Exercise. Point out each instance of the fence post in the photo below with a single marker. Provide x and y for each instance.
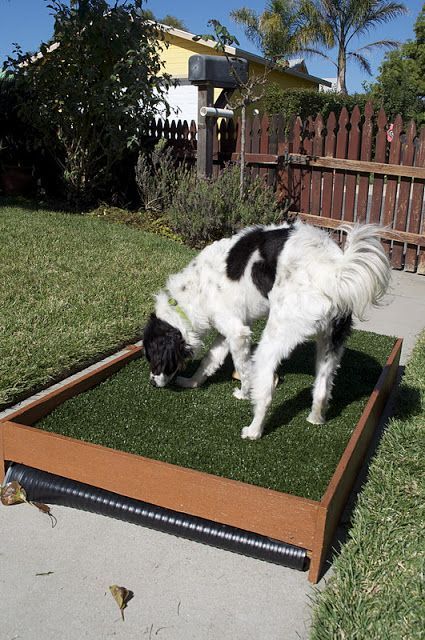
(205, 132)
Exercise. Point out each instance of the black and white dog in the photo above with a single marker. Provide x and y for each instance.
(293, 273)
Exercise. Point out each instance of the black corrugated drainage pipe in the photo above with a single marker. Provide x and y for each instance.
(41, 486)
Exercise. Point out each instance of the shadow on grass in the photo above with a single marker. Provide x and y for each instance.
(354, 380)
(36, 204)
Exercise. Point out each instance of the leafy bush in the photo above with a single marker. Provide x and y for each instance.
(400, 85)
(309, 102)
(204, 210)
(92, 89)
(157, 176)
(17, 139)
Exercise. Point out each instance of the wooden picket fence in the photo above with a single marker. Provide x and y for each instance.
(349, 169)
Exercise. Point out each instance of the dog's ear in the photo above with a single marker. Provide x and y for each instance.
(150, 322)
(149, 333)
(182, 351)
(187, 352)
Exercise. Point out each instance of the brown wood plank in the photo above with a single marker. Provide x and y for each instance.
(193, 136)
(328, 174)
(307, 146)
(343, 480)
(30, 413)
(417, 205)
(2, 458)
(264, 144)
(330, 223)
(270, 513)
(341, 151)
(365, 156)
(400, 220)
(255, 143)
(316, 178)
(352, 154)
(344, 164)
(283, 171)
(392, 181)
(296, 184)
(257, 158)
(272, 148)
(380, 157)
(421, 257)
(248, 142)
(216, 149)
(417, 215)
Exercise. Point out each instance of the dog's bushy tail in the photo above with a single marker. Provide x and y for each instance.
(364, 272)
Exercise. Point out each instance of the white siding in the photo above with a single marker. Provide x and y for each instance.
(183, 101)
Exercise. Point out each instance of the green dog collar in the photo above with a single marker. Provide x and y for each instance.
(173, 303)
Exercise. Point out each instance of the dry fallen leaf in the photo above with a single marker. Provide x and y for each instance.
(12, 493)
(44, 508)
(121, 596)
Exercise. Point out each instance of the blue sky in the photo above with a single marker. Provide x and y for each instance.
(28, 23)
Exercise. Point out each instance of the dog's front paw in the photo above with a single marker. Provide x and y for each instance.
(314, 418)
(240, 395)
(186, 383)
(250, 434)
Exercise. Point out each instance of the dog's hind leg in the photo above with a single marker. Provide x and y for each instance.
(329, 351)
(209, 364)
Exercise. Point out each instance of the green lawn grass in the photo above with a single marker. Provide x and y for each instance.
(71, 288)
(377, 587)
(200, 428)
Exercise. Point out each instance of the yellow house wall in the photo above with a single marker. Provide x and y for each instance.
(176, 56)
(176, 61)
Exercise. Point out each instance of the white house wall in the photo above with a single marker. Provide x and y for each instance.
(183, 101)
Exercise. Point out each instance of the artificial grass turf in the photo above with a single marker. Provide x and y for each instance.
(200, 428)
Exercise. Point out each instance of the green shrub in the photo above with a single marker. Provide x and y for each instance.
(17, 138)
(157, 176)
(309, 102)
(97, 83)
(204, 210)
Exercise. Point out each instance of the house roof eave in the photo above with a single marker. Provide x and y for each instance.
(241, 53)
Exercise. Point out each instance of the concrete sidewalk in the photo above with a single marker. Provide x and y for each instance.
(54, 582)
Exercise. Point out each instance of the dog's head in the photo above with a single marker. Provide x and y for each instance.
(165, 349)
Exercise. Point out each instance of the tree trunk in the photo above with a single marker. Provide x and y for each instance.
(341, 87)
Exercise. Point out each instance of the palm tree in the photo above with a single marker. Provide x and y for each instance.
(324, 23)
(336, 23)
(275, 31)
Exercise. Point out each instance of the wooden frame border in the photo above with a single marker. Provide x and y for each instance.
(298, 521)
(330, 162)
